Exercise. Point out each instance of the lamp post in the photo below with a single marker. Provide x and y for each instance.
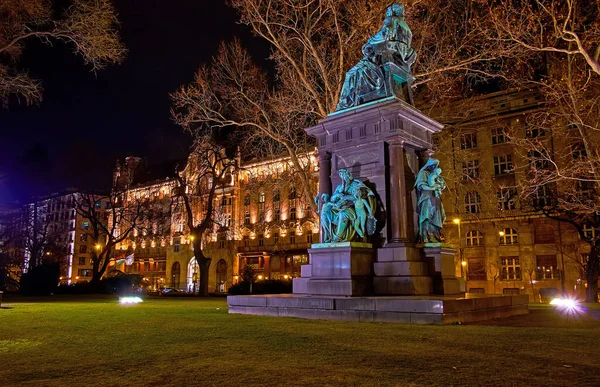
(463, 264)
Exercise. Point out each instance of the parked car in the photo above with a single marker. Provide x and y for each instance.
(170, 291)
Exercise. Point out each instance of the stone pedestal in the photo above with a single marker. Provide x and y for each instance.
(399, 270)
(340, 269)
(440, 261)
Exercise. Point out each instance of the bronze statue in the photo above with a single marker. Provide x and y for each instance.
(349, 212)
(429, 185)
(385, 68)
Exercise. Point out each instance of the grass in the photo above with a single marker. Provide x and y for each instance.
(183, 342)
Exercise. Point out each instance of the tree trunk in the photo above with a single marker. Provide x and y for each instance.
(593, 269)
(203, 265)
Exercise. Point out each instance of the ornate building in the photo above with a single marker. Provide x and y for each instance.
(262, 219)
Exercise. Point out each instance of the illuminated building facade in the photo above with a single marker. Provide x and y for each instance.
(504, 248)
(263, 221)
(51, 230)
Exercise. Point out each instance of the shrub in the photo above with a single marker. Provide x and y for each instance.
(261, 287)
(41, 280)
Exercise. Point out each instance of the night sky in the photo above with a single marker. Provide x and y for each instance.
(87, 121)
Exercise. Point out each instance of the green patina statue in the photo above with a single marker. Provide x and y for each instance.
(429, 185)
(384, 70)
(349, 212)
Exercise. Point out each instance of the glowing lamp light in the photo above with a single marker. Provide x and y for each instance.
(464, 263)
(501, 233)
(567, 305)
(129, 300)
(286, 276)
(98, 247)
(456, 221)
(260, 277)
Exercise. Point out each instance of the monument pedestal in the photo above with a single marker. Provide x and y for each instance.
(440, 260)
(339, 269)
(399, 270)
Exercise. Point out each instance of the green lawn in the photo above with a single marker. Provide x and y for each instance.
(183, 342)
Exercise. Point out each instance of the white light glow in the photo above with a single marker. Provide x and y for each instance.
(567, 305)
(129, 300)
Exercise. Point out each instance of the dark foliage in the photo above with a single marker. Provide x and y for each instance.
(41, 280)
(262, 287)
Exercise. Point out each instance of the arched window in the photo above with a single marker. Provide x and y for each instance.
(474, 238)
(247, 200)
(221, 275)
(508, 236)
(276, 195)
(261, 197)
(175, 274)
(472, 202)
(292, 194)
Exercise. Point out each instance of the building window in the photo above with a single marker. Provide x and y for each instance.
(221, 244)
(83, 249)
(309, 237)
(511, 268)
(498, 136)
(472, 202)
(544, 234)
(541, 197)
(506, 198)
(246, 240)
(336, 137)
(275, 238)
(503, 164)
(261, 216)
(85, 225)
(84, 272)
(547, 268)
(468, 141)
(261, 240)
(589, 232)
(81, 261)
(292, 238)
(176, 244)
(261, 197)
(293, 213)
(538, 160)
(470, 170)
(247, 218)
(292, 194)
(534, 131)
(83, 237)
(476, 270)
(578, 151)
(474, 238)
(247, 200)
(508, 236)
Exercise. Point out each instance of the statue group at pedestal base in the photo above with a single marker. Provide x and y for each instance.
(349, 212)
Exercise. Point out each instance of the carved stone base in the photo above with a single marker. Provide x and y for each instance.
(440, 261)
(400, 271)
(340, 269)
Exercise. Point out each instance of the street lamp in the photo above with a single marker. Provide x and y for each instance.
(463, 264)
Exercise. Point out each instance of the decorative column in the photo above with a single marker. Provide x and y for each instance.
(324, 180)
(267, 266)
(398, 208)
(325, 173)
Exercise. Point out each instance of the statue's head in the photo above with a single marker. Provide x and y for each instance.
(345, 175)
(325, 197)
(395, 10)
(431, 164)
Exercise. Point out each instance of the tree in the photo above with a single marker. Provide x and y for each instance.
(208, 173)
(88, 26)
(111, 219)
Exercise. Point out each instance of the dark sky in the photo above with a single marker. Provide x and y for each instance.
(87, 121)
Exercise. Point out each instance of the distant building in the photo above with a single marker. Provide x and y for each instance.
(51, 229)
(504, 247)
